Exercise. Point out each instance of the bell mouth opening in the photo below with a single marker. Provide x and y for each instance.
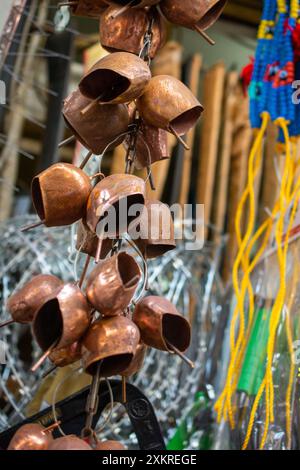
(104, 84)
(212, 15)
(113, 365)
(176, 331)
(48, 324)
(185, 121)
(37, 198)
(128, 270)
(154, 251)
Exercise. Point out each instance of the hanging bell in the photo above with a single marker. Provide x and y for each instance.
(113, 341)
(112, 284)
(65, 356)
(25, 302)
(63, 318)
(117, 78)
(168, 104)
(154, 235)
(161, 325)
(60, 194)
(87, 242)
(31, 437)
(69, 443)
(110, 445)
(89, 8)
(126, 31)
(89, 127)
(137, 361)
(111, 205)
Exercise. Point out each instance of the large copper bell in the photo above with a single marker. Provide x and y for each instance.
(87, 242)
(161, 325)
(137, 361)
(202, 13)
(126, 31)
(155, 230)
(63, 318)
(110, 445)
(65, 356)
(168, 104)
(31, 437)
(89, 128)
(112, 284)
(90, 8)
(134, 3)
(25, 302)
(117, 78)
(111, 199)
(69, 443)
(60, 194)
(113, 341)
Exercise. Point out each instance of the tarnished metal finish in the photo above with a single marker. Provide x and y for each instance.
(110, 445)
(87, 242)
(90, 8)
(168, 102)
(23, 304)
(156, 230)
(117, 78)
(126, 32)
(60, 194)
(31, 437)
(136, 4)
(137, 361)
(69, 443)
(160, 323)
(203, 13)
(64, 317)
(112, 284)
(113, 341)
(100, 126)
(110, 193)
(66, 356)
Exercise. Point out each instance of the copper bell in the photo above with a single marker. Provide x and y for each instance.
(168, 104)
(137, 361)
(69, 443)
(89, 8)
(89, 128)
(110, 445)
(117, 78)
(107, 199)
(87, 242)
(31, 437)
(112, 284)
(60, 194)
(161, 325)
(65, 356)
(63, 318)
(113, 341)
(155, 230)
(191, 13)
(25, 302)
(126, 31)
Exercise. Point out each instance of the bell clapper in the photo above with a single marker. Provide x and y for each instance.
(83, 274)
(150, 177)
(181, 355)
(7, 323)
(122, 10)
(86, 160)
(67, 141)
(91, 105)
(92, 403)
(42, 359)
(205, 35)
(51, 427)
(98, 253)
(32, 226)
(179, 138)
(124, 389)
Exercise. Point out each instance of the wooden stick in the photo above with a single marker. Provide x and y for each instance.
(179, 138)
(86, 160)
(122, 10)
(32, 226)
(42, 359)
(7, 323)
(83, 274)
(181, 355)
(205, 35)
(91, 105)
(67, 141)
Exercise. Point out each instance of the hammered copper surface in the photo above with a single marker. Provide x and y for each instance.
(160, 322)
(87, 242)
(69, 443)
(64, 317)
(187, 13)
(31, 437)
(25, 302)
(156, 230)
(90, 8)
(108, 196)
(120, 77)
(99, 127)
(113, 341)
(126, 32)
(137, 361)
(110, 445)
(112, 284)
(60, 194)
(168, 102)
(66, 356)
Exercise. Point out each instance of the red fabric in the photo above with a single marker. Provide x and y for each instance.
(296, 42)
(246, 75)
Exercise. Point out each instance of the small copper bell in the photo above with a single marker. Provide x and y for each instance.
(89, 127)
(110, 445)
(155, 230)
(168, 104)
(117, 78)
(161, 325)
(87, 242)
(60, 194)
(114, 342)
(113, 197)
(126, 31)
(89, 8)
(25, 302)
(63, 318)
(112, 284)
(137, 361)
(69, 443)
(65, 356)
(31, 437)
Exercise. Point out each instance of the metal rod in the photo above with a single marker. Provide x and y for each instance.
(179, 138)
(124, 389)
(122, 10)
(66, 141)
(7, 323)
(86, 160)
(32, 226)
(181, 355)
(42, 359)
(83, 274)
(205, 35)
